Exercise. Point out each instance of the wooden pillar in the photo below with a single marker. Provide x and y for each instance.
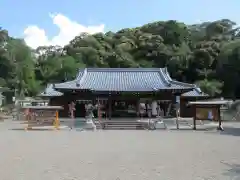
(182, 108)
(164, 108)
(99, 110)
(27, 115)
(110, 107)
(194, 116)
(137, 108)
(219, 119)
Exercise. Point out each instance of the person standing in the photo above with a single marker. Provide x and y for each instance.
(90, 115)
(149, 109)
(141, 109)
(177, 108)
(71, 107)
(159, 110)
(154, 109)
(89, 111)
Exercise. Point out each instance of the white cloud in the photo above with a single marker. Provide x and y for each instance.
(68, 29)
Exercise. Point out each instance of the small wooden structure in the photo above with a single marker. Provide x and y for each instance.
(19, 111)
(201, 111)
(195, 95)
(42, 115)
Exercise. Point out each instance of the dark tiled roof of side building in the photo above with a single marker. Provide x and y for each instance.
(50, 92)
(196, 92)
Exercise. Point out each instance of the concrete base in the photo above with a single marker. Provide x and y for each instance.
(89, 125)
(161, 125)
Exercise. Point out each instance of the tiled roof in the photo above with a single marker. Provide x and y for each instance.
(196, 92)
(123, 79)
(50, 92)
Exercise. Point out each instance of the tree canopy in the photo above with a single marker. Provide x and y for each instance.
(207, 54)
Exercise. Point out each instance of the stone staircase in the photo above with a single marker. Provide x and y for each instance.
(114, 124)
(119, 124)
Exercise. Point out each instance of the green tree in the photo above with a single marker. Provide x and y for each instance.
(206, 53)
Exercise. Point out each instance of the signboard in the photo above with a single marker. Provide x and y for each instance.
(203, 113)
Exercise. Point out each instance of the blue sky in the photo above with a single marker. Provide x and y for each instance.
(16, 15)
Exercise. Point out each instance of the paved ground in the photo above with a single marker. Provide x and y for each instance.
(124, 155)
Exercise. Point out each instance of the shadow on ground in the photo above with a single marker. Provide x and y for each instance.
(187, 129)
(231, 131)
(22, 129)
(233, 171)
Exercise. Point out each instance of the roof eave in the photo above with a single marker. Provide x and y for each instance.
(49, 95)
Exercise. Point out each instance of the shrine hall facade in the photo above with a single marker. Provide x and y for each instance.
(120, 90)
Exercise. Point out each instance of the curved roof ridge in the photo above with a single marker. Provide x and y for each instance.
(168, 77)
(183, 84)
(74, 81)
(198, 89)
(79, 73)
(167, 74)
(50, 91)
(49, 85)
(82, 78)
(163, 75)
(195, 88)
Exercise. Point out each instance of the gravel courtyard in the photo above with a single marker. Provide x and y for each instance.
(122, 155)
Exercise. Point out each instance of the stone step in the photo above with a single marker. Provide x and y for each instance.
(122, 128)
(118, 121)
(108, 125)
(127, 124)
(119, 124)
